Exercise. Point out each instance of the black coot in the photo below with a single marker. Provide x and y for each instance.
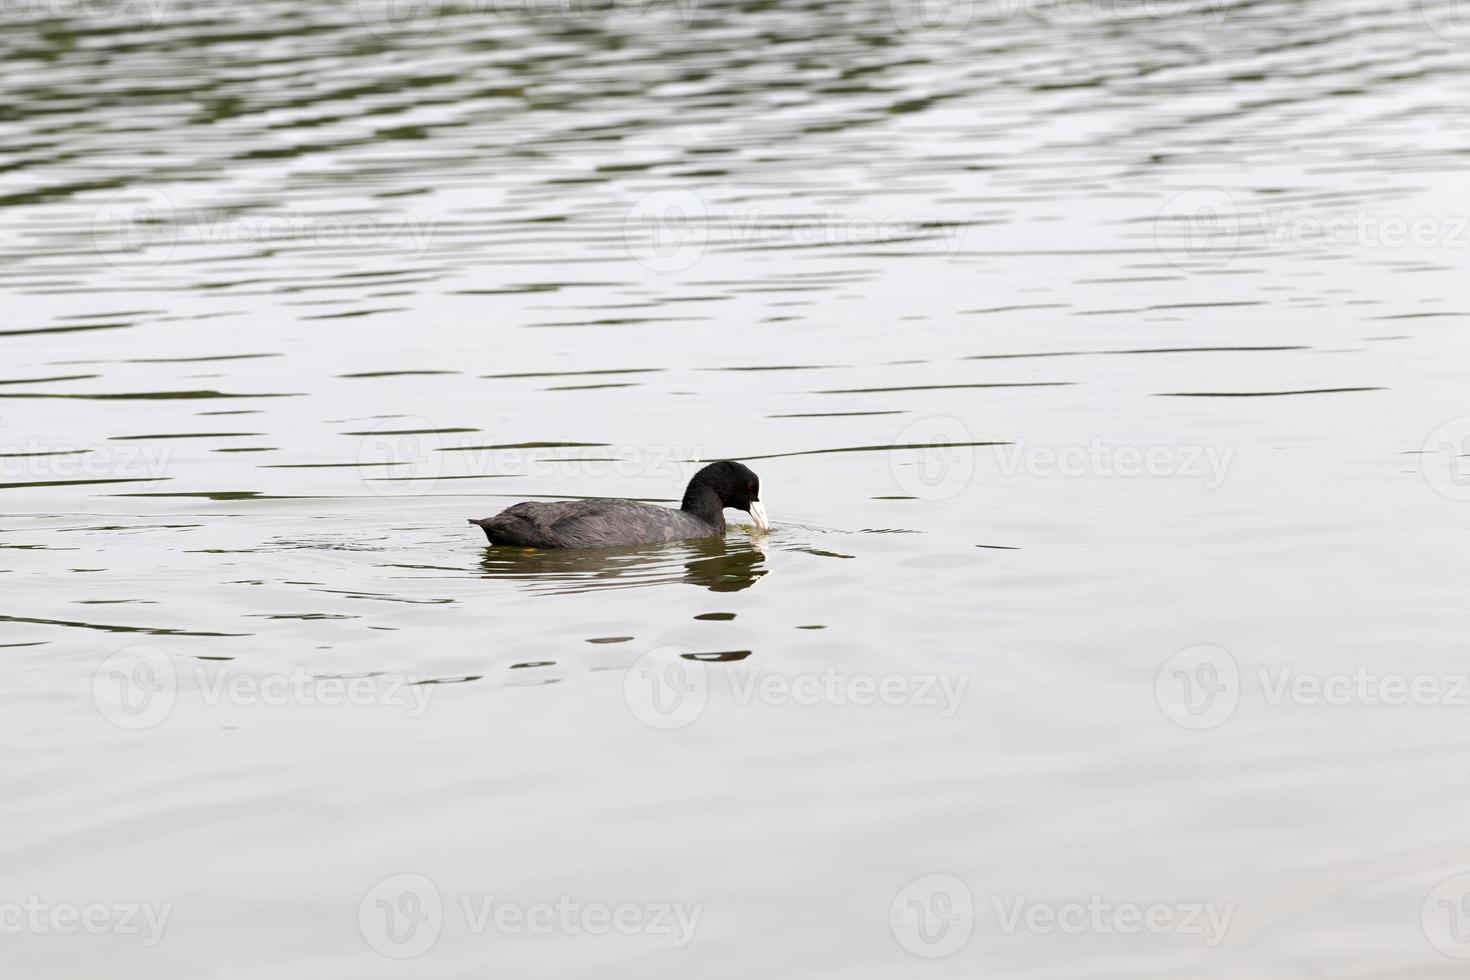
(606, 522)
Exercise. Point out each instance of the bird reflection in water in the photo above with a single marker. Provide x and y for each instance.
(717, 564)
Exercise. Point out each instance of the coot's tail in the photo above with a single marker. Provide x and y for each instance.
(499, 530)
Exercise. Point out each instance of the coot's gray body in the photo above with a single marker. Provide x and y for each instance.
(601, 523)
(606, 522)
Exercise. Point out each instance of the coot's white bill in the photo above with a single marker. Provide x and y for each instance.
(758, 514)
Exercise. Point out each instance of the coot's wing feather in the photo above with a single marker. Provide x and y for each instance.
(597, 523)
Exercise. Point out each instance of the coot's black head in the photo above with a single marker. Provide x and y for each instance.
(733, 484)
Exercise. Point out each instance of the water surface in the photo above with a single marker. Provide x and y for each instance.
(1064, 338)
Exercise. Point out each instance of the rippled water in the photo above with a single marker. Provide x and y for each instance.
(293, 289)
